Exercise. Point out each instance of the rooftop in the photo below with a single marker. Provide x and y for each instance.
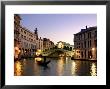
(87, 29)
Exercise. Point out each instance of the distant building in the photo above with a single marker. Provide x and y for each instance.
(64, 45)
(47, 44)
(85, 43)
(40, 44)
(60, 44)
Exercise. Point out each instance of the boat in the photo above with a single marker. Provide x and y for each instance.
(72, 58)
(39, 55)
(43, 63)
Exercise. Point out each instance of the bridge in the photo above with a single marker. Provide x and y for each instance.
(57, 52)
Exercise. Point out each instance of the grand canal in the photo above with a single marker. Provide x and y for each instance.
(57, 67)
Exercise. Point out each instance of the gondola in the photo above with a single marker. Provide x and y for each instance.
(43, 63)
(72, 58)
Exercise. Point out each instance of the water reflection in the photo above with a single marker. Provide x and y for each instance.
(36, 67)
(93, 70)
(24, 62)
(18, 68)
(62, 66)
(73, 68)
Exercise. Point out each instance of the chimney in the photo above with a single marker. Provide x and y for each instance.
(86, 27)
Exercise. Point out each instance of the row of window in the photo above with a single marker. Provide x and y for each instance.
(28, 39)
(84, 44)
(85, 35)
(27, 33)
(27, 45)
(85, 54)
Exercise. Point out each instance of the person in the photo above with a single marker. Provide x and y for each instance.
(44, 58)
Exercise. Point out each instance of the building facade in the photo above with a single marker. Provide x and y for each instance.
(28, 42)
(60, 44)
(64, 45)
(17, 41)
(40, 44)
(47, 44)
(85, 43)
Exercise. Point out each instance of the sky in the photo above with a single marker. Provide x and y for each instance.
(58, 27)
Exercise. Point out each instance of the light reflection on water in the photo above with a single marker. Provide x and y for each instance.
(18, 68)
(57, 67)
(60, 66)
(73, 68)
(93, 70)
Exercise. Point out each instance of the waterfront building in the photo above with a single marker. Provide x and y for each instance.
(28, 42)
(85, 43)
(16, 35)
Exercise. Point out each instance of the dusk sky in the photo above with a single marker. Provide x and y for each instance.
(58, 27)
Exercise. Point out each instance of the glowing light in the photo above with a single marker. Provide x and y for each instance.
(18, 68)
(93, 49)
(16, 52)
(60, 67)
(73, 68)
(38, 59)
(19, 51)
(38, 52)
(93, 70)
(16, 48)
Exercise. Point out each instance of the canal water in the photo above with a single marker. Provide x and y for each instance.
(57, 67)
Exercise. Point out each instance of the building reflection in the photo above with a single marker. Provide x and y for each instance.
(24, 62)
(73, 68)
(93, 70)
(60, 66)
(18, 69)
(36, 67)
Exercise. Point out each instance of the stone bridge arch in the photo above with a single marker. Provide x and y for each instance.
(56, 53)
